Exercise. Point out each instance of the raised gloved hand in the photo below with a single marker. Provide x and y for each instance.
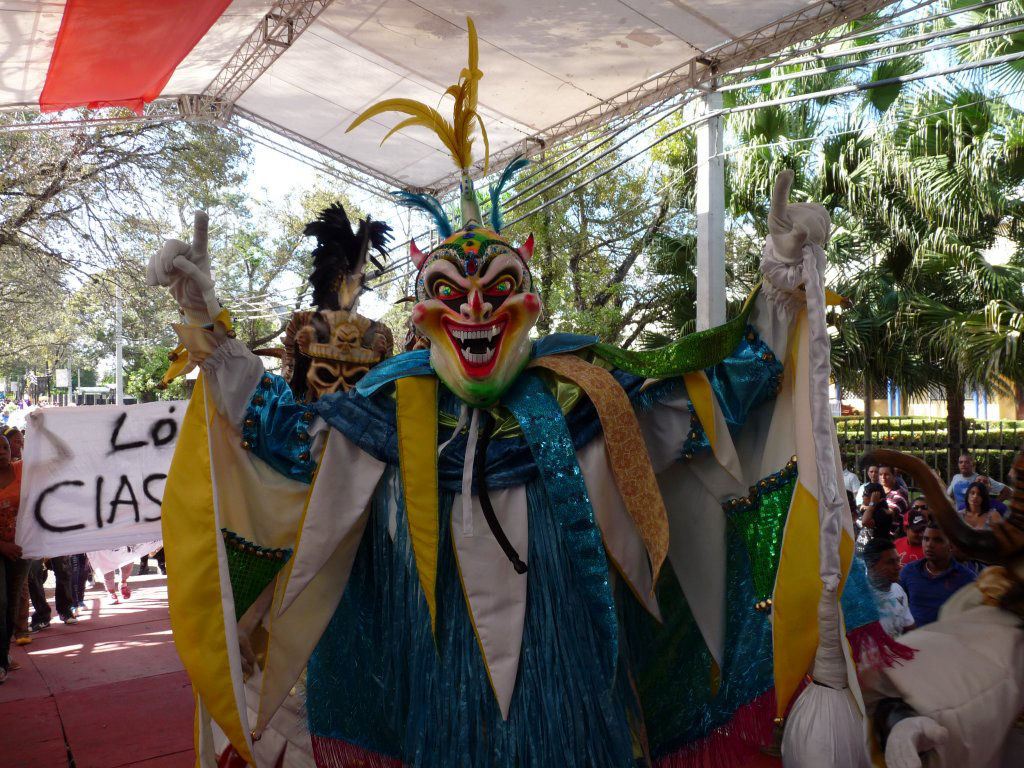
(792, 225)
(909, 738)
(184, 268)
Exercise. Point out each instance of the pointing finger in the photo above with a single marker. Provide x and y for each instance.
(156, 272)
(200, 232)
(780, 195)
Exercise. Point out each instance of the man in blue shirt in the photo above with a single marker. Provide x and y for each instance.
(931, 581)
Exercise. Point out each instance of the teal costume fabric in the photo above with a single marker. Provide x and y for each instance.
(601, 683)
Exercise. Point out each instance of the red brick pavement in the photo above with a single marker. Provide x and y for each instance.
(108, 692)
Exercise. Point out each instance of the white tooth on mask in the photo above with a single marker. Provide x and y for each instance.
(478, 358)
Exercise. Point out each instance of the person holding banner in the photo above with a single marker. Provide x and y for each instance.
(13, 569)
(22, 630)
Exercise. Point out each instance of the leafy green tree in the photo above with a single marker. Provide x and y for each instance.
(591, 259)
(144, 369)
(256, 249)
(919, 184)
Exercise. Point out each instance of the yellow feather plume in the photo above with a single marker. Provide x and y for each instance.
(455, 135)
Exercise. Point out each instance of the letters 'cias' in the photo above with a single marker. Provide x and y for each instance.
(107, 506)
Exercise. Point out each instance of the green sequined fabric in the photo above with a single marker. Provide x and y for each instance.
(760, 519)
(250, 567)
(694, 352)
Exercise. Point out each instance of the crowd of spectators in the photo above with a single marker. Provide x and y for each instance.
(912, 565)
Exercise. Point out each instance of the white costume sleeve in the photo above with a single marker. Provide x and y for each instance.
(322, 522)
(695, 488)
(232, 372)
(967, 674)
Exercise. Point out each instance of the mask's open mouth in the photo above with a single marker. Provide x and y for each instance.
(477, 344)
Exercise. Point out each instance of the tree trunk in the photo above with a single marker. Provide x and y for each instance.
(956, 428)
(869, 396)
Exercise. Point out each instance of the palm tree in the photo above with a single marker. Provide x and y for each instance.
(934, 189)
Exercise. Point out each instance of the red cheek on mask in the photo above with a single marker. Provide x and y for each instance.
(418, 313)
(531, 302)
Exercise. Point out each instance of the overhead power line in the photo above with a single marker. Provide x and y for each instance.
(793, 54)
(870, 61)
(680, 175)
(892, 43)
(549, 172)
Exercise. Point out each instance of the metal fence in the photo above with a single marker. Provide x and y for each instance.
(993, 444)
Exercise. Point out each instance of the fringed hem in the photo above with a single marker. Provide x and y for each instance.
(731, 745)
(874, 648)
(335, 753)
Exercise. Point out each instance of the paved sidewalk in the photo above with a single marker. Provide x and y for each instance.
(108, 692)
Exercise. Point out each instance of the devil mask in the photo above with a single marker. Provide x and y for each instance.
(475, 296)
(476, 305)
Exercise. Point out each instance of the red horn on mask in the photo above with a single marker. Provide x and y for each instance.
(417, 256)
(526, 249)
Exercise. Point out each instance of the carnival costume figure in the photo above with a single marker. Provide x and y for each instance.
(507, 551)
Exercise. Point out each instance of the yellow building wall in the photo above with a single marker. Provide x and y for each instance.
(1002, 407)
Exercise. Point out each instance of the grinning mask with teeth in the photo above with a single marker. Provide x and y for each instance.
(476, 305)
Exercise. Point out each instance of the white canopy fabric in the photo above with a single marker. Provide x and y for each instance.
(551, 67)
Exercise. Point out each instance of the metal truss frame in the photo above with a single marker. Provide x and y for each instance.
(697, 73)
(274, 35)
(288, 19)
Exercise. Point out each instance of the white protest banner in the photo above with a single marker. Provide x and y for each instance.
(94, 476)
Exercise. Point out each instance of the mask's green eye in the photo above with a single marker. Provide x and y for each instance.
(502, 287)
(446, 291)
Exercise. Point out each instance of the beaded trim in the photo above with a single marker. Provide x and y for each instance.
(767, 360)
(251, 422)
(250, 568)
(770, 370)
(742, 504)
(697, 441)
(241, 544)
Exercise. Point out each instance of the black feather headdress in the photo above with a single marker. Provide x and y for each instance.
(341, 254)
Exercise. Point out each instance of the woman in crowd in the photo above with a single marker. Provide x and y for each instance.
(980, 510)
(883, 563)
(13, 569)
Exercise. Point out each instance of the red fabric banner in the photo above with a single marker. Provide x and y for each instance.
(121, 53)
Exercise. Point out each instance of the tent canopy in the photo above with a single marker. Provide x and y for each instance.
(305, 69)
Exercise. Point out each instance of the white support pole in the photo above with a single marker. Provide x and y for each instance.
(710, 217)
(118, 351)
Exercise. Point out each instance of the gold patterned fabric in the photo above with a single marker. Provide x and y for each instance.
(627, 452)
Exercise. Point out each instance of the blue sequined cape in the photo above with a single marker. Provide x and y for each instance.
(379, 683)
